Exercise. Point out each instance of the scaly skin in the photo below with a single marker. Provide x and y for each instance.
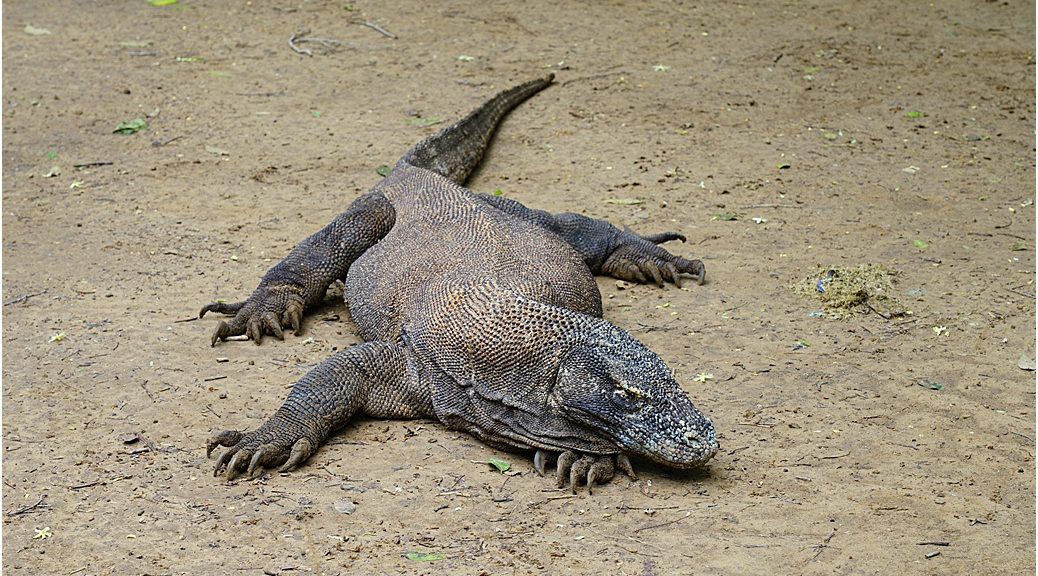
(479, 312)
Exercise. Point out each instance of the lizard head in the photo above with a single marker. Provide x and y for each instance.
(616, 386)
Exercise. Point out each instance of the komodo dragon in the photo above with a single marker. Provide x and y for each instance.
(478, 312)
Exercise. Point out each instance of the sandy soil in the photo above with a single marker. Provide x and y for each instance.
(894, 133)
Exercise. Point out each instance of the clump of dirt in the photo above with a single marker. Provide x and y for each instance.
(861, 289)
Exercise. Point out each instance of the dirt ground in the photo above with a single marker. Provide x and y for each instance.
(835, 133)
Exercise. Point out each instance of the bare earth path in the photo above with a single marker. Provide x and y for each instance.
(837, 133)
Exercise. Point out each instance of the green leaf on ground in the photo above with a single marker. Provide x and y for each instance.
(921, 244)
(499, 192)
(931, 385)
(915, 114)
(162, 2)
(384, 170)
(501, 465)
(1019, 245)
(1026, 362)
(425, 556)
(724, 216)
(127, 127)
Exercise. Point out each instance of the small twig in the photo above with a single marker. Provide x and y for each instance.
(650, 527)
(262, 94)
(161, 143)
(881, 315)
(1024, 294)
(292, 44)
(378, 29)
(296, 39)
(93, 164)
(30, 507)
(997, 227)
(1022, 436)
(21, 299)
(631, 539)
(213, 378)
(592, 77)
(146, 391)
(751, 206)
(825, 544)
(935, 543)
(191, 319)
(831, 456)
(87, 485)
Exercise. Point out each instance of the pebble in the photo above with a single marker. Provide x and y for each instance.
(345, 506)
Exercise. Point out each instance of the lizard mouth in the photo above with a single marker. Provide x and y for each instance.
(685, 455)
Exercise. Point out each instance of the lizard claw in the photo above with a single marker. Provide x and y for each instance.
(276, 443)
(585, 468)
(293, 315)
(265, 312)
(639, 259)
(662, 237)
(225, 438)
(301, 451)
(540, 460)
(221, 307)
(654, 271)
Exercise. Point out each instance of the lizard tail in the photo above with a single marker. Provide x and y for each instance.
(455, 151)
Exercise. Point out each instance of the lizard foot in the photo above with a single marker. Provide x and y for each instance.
(587, 468)
(640, 259)
(271, 445)
(265, 312)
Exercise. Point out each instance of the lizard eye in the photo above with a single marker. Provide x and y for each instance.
(624, 397)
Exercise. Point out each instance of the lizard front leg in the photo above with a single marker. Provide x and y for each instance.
(374, 377)
(302, 278)
(577, 468)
